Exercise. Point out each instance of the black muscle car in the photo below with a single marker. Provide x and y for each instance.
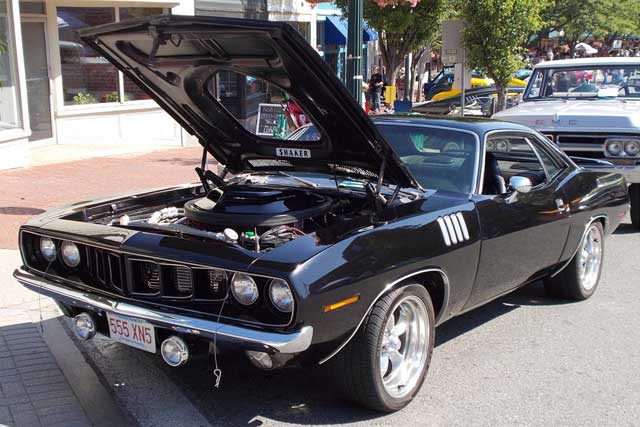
(343, 246)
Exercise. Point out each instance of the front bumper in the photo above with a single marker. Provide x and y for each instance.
(294, 342)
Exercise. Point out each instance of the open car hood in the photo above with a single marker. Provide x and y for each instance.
(173, 58)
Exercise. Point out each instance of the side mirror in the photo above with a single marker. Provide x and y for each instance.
(520, 184)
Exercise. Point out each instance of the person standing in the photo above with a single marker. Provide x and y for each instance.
(376, 82)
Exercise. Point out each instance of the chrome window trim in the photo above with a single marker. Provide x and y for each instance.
(474, 184)
(445, 304)
(158, 261)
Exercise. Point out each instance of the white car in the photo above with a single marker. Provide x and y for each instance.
(591, 109)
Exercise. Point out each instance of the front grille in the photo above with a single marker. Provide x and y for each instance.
(104, 267)
(192, 287)
(146, 277)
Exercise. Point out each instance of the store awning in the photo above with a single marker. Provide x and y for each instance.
(335, 31)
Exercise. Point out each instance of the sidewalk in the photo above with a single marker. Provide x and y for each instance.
(44, 380)
(30, 191)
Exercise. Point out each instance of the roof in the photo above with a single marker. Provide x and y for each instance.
(473, 124)
(582, 62)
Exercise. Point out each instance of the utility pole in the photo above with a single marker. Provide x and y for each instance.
(408, 82)
(354, 49)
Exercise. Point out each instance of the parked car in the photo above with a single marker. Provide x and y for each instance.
(478, 102)
(589, 108)
(344, 246)
(441, 86)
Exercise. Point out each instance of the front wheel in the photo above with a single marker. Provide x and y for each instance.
(580, 278)
(386, 362)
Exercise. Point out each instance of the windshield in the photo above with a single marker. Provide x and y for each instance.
(585, 82)
(440, 159)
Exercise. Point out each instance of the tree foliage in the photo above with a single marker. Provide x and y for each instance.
(495, 33)
(402, 28)
(580, 19)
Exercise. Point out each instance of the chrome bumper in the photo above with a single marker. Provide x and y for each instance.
(295, 342)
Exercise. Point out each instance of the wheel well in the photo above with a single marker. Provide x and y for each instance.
(603, 221)
(436, 285)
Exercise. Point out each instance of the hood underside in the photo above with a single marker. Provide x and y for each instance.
(174, 58)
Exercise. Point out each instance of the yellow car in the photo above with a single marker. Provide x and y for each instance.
(475, 82)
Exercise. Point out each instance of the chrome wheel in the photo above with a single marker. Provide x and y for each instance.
(590, 258)
(405, 346)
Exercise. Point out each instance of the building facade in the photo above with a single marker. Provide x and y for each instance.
(55, 90)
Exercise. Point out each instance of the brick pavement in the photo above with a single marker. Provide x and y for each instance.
(29, 191)
(33, 390)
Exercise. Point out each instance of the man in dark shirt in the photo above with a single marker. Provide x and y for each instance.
(376, 82)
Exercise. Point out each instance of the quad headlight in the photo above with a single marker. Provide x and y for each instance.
(615, 148)
(70, 254)
(632, 148)
(244, 289)
(623, 147)
(281, 296)
(48, 249)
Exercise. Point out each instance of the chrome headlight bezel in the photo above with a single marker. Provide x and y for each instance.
(45, 245)
(242, 296)
(282, 287)
(635, 151)
(620, 147)
(67, 252)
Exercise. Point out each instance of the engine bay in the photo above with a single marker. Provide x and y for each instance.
(256, 217)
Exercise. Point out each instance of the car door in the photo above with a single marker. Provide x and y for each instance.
(522, 234)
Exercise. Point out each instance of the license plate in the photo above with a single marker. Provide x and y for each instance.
(131, 331)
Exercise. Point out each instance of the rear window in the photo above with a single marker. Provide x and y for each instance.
(440, 159)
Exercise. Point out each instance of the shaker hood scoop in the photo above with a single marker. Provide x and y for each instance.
(174, 58)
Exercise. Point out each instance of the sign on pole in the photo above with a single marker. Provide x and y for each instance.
(268, 118)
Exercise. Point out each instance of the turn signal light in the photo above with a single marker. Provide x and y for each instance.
(340, 304)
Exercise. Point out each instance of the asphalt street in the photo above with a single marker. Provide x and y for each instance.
(524, 359)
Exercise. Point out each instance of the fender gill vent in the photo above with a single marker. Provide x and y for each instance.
(453, 228)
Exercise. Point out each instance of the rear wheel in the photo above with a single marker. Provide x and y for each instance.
(385, 364)
(580, 278)
(634, 195)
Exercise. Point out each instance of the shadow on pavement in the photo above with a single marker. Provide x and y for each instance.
(298, 396)
(17, 210)
(625, 228)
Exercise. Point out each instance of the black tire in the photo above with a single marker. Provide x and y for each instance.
(634, 195)
(570, 284)
(356, 368)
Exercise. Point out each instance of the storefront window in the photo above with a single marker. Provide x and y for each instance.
(87, 77)
(9, 102)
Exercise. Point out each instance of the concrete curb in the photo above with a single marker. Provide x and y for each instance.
(98, 404)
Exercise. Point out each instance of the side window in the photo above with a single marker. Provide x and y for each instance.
(551, 165)
(509, 156)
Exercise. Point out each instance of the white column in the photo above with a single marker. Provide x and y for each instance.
(186, 7)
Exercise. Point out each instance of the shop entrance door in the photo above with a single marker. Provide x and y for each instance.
(36, 66)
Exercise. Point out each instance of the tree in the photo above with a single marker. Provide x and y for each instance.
(495, 32)
(580, 19)
(402, 28)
